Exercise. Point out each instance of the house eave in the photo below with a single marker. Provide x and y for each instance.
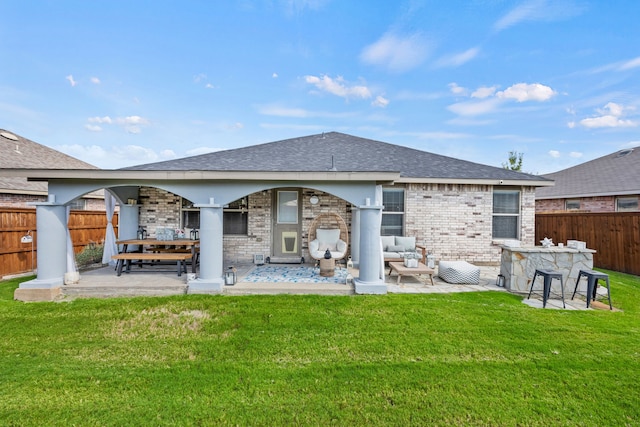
(100, 174)
(477, 181)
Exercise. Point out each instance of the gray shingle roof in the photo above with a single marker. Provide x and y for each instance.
(19, 152)
(347, 153)
(613, 174)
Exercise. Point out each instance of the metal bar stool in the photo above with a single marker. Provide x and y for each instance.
(547, 275)
(592, 285)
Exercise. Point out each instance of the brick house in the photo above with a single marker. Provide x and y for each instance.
(459, 210)
(607, 184)
(19, 152)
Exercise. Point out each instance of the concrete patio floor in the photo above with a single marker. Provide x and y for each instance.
(103, 283)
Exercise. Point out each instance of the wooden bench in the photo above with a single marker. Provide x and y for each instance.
(152, 258)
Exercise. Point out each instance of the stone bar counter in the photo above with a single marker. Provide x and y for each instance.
(518, 265)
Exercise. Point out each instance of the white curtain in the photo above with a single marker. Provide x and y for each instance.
(110, 247)
(71, 256)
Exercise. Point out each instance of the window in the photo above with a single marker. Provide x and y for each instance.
(393, 212)
(234, 216)
(627, 204)
(78, 204)
(506, 214)
(572, 205)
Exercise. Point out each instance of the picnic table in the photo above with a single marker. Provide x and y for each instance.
(179, 250)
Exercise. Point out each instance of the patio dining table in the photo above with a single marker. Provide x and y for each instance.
(174, 245)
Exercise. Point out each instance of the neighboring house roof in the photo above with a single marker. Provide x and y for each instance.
(19, 152)
(343, 153)
(614, 174)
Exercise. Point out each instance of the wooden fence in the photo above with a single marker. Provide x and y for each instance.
(615, 235)
(17, 257)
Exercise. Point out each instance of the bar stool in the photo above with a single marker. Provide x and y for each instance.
(592, 285)
(548, 276)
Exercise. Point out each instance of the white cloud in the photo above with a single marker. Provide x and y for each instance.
(95, 80)
(274, 75)
(234, 126)
(209, 86)
(554, 153)
(132, 120)
(396, 53)
(201, 150)
(571, 125)
(93, 128)
(198, 78)
(455, 89)
(522, 92)
(380, 102)
(131, 124)
(610, 116)
(136, 153)
(458, 59)
(484, 92)
(105, 119)
(168, 154)
(538, 10)
(474, 108)
(607, 121)
(72, 82)
(628, 65)
(338, 87)
(619, 66)
(575, 154)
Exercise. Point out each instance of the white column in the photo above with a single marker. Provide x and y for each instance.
(210, 279)
(51, 226)
(369, 281)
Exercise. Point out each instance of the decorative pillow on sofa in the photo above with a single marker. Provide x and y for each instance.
(408, 243)
(387, 241)
(395, 248)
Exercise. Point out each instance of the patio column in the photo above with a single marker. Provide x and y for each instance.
(210, 279)
(369, 281)
(51, 226)
(355, 236)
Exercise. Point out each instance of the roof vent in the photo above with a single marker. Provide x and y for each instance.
(625, 152)
(8, 135)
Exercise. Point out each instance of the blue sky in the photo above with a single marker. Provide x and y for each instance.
(118, 83)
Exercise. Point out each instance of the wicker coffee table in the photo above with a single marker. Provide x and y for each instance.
(401, 270)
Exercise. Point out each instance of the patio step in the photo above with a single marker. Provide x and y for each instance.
(79, 291)
(288, 288)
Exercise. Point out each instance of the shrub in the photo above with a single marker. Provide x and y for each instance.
(91, 254)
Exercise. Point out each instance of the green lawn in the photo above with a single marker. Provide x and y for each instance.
(457, 359)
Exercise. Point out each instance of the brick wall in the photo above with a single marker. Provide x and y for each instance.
(159, 209)
(454, 221)
(20, 200)
(587, 204)
(25, 200)
(240, 249)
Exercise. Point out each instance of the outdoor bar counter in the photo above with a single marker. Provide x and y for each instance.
(518, 265)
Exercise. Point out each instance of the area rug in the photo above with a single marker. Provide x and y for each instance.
(292, 274)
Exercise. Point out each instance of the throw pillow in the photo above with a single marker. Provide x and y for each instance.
(395, 248)
(409, 243)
